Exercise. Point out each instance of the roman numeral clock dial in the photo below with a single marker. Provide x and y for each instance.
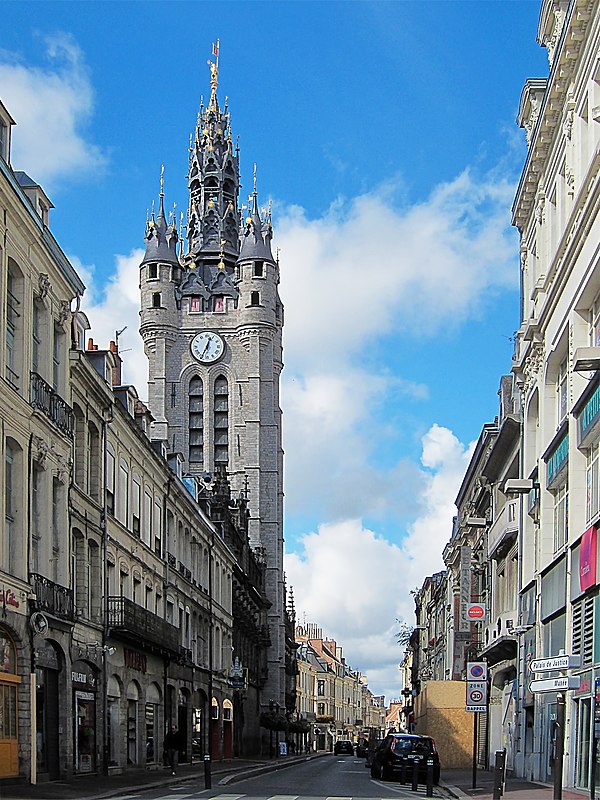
(207, 347)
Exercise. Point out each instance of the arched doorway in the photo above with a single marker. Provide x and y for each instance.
(48, 663)
(133, 697)
(153, 699)
(227, 729)
(83, 679)
(182, 724)
(9, 682)
(114, 693)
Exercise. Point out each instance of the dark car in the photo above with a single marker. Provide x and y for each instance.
(397, 754)
(362, 748)
(343, 746)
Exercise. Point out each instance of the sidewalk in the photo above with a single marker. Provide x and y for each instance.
(94, 787)
(458, 783)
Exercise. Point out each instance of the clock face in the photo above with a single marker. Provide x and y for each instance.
(207, 347)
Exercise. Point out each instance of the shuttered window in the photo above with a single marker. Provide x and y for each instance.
(583, 629)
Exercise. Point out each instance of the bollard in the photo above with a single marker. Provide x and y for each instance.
(207, 775)
(403, 771)
(415, 776)
(429, 784)
(499, 764)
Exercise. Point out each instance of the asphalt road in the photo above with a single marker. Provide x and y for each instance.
(334, 778)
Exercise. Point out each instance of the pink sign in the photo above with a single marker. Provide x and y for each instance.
(587, 560)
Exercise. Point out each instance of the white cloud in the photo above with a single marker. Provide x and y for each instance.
(51, 106)
(117, 306)
(355, 585)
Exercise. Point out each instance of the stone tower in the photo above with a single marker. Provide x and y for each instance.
(211, 321)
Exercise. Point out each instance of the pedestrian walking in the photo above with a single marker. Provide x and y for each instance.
(171, 745)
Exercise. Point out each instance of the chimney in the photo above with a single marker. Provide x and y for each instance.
(116, 371)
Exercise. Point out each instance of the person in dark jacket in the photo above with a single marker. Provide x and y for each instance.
(171, 745)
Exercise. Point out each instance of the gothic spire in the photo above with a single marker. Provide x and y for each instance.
(257, 232)
(161, 237)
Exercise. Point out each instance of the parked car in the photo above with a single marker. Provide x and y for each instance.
(401, 750)
(343, 746)
(362, 748)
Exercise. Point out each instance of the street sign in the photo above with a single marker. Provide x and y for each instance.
(475, 708)
(475, 611)
(554, 663)
(556, 684)
(477, 670)
(476, 693)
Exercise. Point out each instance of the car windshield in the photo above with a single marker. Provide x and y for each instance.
(421, 746)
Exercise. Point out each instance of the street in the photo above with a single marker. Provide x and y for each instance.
(339, 777)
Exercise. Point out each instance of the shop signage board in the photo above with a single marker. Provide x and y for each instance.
(475, 611)
(554, 663)
(561, 684)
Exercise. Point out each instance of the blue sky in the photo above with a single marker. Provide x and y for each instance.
(385, 135)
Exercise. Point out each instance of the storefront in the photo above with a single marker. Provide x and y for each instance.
(84, 682)
(9, 683)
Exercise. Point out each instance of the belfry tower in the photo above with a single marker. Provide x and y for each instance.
(211, 321)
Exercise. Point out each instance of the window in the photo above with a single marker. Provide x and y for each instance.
(110, 482)
(583, 629)
(36, 336)
(321, 688)
(13, 324)
(595, 323)
(562, 391)
(147, 526)
(4, 141)
(156, 300)
(123, 494)
(196, 421)
(195, 304)
(561, 513)
(57, 522)
(11, 506)
(136, 500)
(36, 515)
(258, 269)
(218, 303)
(79, 450)
(94, 463)
(592, 477)
(321, 709)
(254, 298)
(57, 358)
(153, 271)
(221, 420)
(157, 527)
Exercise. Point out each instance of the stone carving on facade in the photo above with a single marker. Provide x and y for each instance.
(550, 43)
(534, 113)
(44, 285)
(532, 365)
(64, 313)
(539, 207)
(63, 467)
(40, 450)
(570, 180)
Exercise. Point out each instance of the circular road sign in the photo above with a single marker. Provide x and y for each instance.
(475, 697)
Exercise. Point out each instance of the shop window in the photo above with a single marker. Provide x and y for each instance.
(561, 517)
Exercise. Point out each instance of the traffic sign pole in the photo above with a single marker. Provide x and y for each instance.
(560, 746)
(475, 743)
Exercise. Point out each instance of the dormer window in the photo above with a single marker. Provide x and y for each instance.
(152, 271)
(258, 269)
(218, 303)
(4, 140)
(195, 304)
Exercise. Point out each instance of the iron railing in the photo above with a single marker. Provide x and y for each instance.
(53, 598)
(43, 397)
(138, 624)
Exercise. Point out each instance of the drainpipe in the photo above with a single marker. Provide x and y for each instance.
(105, 608)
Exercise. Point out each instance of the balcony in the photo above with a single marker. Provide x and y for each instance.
(53, 598)
(504, 530)
(135, 624)
(43, 397)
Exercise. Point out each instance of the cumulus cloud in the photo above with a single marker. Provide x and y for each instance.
(114, 307)
(57, 99)
(355, 584)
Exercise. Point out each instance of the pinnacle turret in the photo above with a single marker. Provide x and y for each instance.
(161, 237)
(257, 232)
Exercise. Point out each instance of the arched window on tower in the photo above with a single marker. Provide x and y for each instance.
(221, 421)
(196, 421)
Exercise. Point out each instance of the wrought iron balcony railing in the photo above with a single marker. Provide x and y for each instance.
(53, 598)
(43, 397)
(135, 623)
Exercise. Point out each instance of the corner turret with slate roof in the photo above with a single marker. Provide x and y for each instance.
(161, 237)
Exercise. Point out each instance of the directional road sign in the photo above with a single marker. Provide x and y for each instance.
(556, 684)
(555, 663)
